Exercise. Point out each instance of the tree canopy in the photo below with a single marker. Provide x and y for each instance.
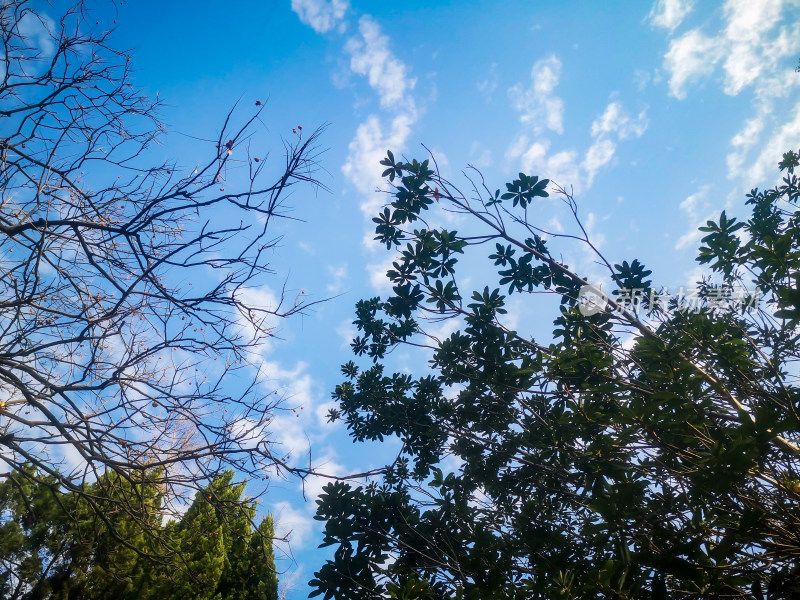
(648, 448)
(54, 545)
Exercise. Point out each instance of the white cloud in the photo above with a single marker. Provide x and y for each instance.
(539, 105)
(554, 225)
(615, 120)
(692, 277)
(37, 29)
(308, 248)
(599, 155)
(377, 274)
(746, 37)
(519, 145)
(291, 580)
(690, 57)
(451, 464)
(489, 85)
(745, 139)
(690, 238)
(755, 45)
(367, 148)
(698, 211)
(327, 465)
(785, 137)
(752, 129)
(295, 425)
(262, 298)
(541, 109)
(670, 13)
(338, 278)
(291, 523)
(629, 341)
(751, 46)
(321, 15)
(388, 77)
(562, 167)
(322, 411)
(598, 239)
(347, 331)
(480, 156)
(370, 56)
(691, 204)
(642, 79)
(441, 330)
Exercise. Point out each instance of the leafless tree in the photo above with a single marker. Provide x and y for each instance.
(125, 319)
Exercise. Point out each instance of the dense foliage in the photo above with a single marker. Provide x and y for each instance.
(54, 546)
(643, 451)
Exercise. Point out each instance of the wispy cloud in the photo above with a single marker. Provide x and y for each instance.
(377, 274)
(366, 149)
(480, 156)
(615, 120)
(744, 140)
(785, 137)
(609, 128)
(754, 46)
(292, 524)
(565, 167)
(489, 85)
(537, 102)
(598, 156)
(389, 78)
(749, 43)
(541, 109)
(562, 167)
(321, 15)
(697, 210)
(387, 75)
(338, 279)
(690, 57)
(670, 13)
(347, 332)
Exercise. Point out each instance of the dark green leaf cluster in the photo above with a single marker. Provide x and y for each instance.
(522, 191)
(587, 468)
(411, 198)
(769, 250)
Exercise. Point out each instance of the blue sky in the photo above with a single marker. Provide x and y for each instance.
(658, 114)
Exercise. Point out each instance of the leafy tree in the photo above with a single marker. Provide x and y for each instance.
(126, 304)
(261, 580)
(666, 467)
(223, 556)
(54, 545)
